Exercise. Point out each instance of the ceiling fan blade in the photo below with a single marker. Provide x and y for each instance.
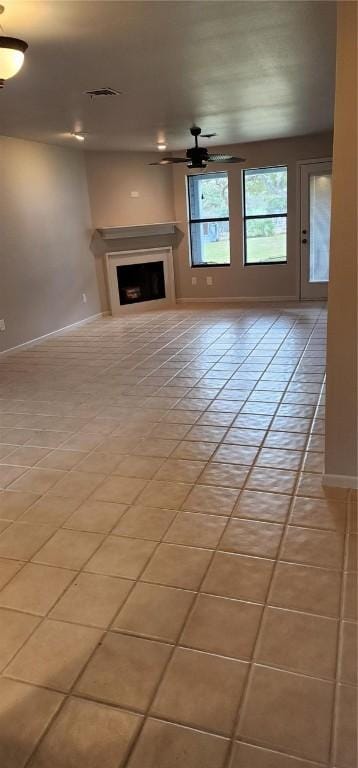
(225, 159)
(170, 161)
(208, 135)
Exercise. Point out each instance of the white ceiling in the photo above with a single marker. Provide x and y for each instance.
(247, 70)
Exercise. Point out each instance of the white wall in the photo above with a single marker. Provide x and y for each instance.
(45, 231)
(341, 401)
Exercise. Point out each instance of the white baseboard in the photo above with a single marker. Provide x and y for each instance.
(53, 333)
(235, 299)
(340, 481)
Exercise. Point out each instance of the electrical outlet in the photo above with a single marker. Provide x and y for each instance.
(2, 325)
(194, 281)
(209, 280)
(84, 298)
(134, 193)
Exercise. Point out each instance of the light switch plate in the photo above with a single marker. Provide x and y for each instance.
(2, 325)
(194, 281)
(209, 280)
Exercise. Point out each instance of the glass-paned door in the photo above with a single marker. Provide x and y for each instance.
(316, 191)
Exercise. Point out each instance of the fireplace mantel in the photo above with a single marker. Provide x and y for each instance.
(137, 230)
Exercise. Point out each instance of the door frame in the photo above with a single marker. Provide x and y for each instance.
(299, 165)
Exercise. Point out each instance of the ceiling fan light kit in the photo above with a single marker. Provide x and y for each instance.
(199, 157)
(12, 54)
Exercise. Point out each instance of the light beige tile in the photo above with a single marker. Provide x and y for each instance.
(181, 470)
(68, 549)
(327, 514)
(138, 466)
(120, 489)
(345, 741)
(54, 655)
(236, 454)
(87, 734)
(350, 597)
(155, 446)
(298, 642)
(194, 450)
(25, 712)
(8, 568)
(119, 556)
(171, 431)
(313, 547)
(230, 475)
(101, 463)
(20, 541)
(207, 434)
(8, 475)
(92, 600)
(14, 503)
(59, 459)
(248, 756)
(26, 456)
(145, 522)
(306, 588)
(37, 480)
(155, 612)
(15, 628)
(267, 715)
(252, 538)
(95, 516)
(161, 745)
(348, 662)
(177, 566)
(53, 510)
(164, 494)
(35, 589)
(268, 479)
(124, 671)
(77, 485)
(215, 686)
(223, 626)
(258, 505)
(212, 499)
(238, 576)
(281, 459)
(196, 530)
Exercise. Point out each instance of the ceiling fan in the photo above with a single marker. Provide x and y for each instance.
(198, 157)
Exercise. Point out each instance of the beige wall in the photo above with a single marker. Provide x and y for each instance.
(113, 176)
(341, 416)
(45, 230)
(280, 280)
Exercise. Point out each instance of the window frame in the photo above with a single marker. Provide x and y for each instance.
(245, 217)
(205, 265)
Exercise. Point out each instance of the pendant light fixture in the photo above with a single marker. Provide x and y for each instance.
(12, 54)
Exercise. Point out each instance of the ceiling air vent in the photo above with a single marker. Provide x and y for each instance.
(102, 92)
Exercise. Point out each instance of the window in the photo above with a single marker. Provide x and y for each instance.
(208, 202)
(265, 215)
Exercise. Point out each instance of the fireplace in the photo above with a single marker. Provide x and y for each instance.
(140, 279)
(141, 282)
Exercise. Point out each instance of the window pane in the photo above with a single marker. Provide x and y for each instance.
(210, 243)
(208, 196)
(320, 223)
(266, 240)
(265, 191)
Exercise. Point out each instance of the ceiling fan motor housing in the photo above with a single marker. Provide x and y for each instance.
(197, 156)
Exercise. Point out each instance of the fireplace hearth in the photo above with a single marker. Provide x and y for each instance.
(140, 279)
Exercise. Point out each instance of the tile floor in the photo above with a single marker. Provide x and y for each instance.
(177, 589)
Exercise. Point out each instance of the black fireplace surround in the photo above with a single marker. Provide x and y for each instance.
(141, 282)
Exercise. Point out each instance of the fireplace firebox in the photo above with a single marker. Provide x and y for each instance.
(141, 282)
